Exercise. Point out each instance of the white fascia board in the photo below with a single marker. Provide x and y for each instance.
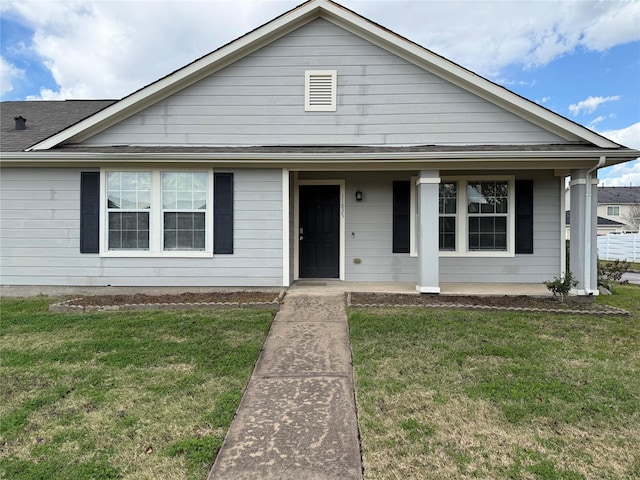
(184, 77)
(462, 77)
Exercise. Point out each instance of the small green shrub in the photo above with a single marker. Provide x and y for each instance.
(611, 272)
(560, 286)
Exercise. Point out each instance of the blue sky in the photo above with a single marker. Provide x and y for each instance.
(578, 58)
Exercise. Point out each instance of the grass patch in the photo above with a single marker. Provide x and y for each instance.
(122, 395)
(468, 394)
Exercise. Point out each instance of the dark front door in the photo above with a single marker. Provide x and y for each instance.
(319, 231)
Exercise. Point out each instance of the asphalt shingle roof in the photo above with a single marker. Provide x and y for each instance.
(618, 195)
(601, 221)
(44, 118)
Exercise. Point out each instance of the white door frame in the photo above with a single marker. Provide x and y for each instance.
(296, 221)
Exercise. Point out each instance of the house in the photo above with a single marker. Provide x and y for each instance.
(605, 226)
(620, 204)
(319, 145)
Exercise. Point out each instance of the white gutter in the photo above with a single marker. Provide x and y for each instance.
(587, 228)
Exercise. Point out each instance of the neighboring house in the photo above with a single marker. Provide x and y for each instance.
(319, 145)
(620, 204)
(604, 226)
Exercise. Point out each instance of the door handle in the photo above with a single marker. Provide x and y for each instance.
(301, 237)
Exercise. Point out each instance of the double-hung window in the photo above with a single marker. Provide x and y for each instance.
(487, 210)
(184, 208)
(477, 216)
(158, 213)
(128, 209)
(448, 206)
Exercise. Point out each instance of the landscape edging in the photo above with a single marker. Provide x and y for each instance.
(68, 306)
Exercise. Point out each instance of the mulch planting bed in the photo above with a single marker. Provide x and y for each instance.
(257, 299)
(486, 302)
(140, 301)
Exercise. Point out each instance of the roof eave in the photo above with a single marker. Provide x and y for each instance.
(613, 156)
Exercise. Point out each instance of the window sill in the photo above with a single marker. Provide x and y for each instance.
(477, 254)
(145, 254)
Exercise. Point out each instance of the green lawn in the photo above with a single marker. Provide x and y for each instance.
(142, 395)
(468, 394)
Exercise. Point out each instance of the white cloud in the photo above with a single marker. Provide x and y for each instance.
(8, 74)
(628, 173)
(98, 49)
(590, 104)
(103, 49)
(593, 123)
(629, 136)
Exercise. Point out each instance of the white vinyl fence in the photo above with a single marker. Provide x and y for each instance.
(619, 247)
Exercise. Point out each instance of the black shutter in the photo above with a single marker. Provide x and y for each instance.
(524, 216)
(89, 212)
(401, 226)
(223, 213)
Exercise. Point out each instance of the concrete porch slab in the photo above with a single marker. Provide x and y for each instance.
(328, 287)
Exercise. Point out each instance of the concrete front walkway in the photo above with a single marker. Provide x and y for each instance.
(297, 418)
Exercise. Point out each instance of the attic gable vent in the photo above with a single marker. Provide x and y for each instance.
(320, 90)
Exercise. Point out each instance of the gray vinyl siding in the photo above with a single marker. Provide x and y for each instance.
(40, 237)
(382, 100)
(370, 222)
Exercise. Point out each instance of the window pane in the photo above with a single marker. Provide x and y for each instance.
(487, 233)
(447, 237)
(185, 181)
(184, 231)
(169, 181)
(474, 197)
(448, 195)
(184, 190)
(185, 221)
(200, 200)
(501, 205)
(200, 182)
(487, 208)
(169, 200)
(128, 231)
(487, 197)
(129, 190)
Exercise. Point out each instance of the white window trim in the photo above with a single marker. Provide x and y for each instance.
(462, 240)
(613, 214)
(332, 76)
(155, 218)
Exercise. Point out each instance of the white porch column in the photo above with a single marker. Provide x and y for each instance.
(428, 224)
(584, 228)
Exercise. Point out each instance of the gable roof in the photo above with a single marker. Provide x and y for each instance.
(352, 22)
(602, 222)
(618, 195)
(44, 119)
